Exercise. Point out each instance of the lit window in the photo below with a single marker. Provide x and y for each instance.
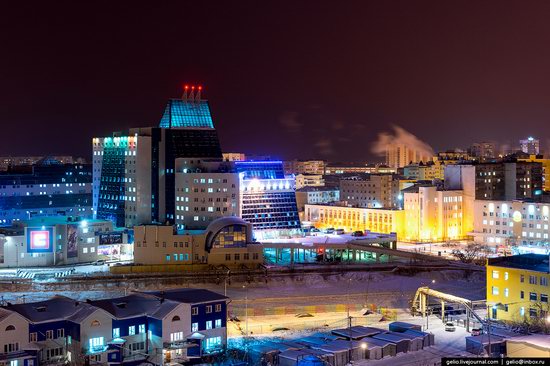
(195, 327)
(132, 330)
(116, 332)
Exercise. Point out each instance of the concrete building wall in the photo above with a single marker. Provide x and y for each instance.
(204, 197)
(378, 191)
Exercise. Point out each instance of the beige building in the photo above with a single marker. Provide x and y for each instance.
(511, 222)
(309, 180)
(304, 166)
(234, 157)
(400, 155)
(378, 220)
(227, 240)
(373, 191)
(432, 214)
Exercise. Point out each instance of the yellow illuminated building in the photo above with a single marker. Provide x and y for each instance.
(429, 214)
(517, 288)
(378, 220)
(432, 214)
(545, 169)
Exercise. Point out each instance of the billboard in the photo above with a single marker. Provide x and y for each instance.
(72, 241)
(39, 240)
(110, 238)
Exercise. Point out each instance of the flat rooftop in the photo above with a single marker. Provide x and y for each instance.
(529, 262)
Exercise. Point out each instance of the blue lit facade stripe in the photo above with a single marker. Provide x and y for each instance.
(190, 114)
(260, 169)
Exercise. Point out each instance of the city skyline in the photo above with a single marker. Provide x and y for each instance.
(316, 91)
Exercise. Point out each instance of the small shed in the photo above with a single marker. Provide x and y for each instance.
(341, 350)
(373, 350)
(416, 340)
(388, 348)
(298, 357)
(402, 326)
(402, 345)
(479, 345)
(356, 332)
(428, 338)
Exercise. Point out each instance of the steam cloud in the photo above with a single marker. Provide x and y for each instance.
(400, 136)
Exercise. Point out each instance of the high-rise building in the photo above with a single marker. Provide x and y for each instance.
(370, 191)
(47, 188)
(134, 173)
(483, 151)
(400, 155)
(530, 146)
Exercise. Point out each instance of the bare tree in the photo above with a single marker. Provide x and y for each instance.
(473, 253)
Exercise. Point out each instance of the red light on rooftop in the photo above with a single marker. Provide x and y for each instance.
(200, 87)
(193, 87)
(186, 87)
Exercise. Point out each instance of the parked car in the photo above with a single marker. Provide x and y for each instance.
(99, 262)
(339, 231)
(450, 327)
(357, 233)
(330, 230)
(477, 331)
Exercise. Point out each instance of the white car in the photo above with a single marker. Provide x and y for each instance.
(450, 327)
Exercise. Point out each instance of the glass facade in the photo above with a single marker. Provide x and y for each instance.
(181, 113)
(112, 189)
(232, 236)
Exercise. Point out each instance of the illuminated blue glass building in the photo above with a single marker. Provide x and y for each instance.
(268, 199)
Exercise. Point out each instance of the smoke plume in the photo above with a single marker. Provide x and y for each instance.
(400, 136)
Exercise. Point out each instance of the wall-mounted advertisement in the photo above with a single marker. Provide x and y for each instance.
(72, 241)
(110, 238)
(39, 240)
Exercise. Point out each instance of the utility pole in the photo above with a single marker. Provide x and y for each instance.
(349, 324)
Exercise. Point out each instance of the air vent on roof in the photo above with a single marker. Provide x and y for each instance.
(40, 309)
(121, 305)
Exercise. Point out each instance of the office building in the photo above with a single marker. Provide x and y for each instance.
(380, 220)
(205, 191)
(399, 155)
(511, 223)
(358, 168)
(517, 288)
(233, 157)
(432, 214)
(545, 162)
(162, 327)
(483, 151)
(315, 196)
(370, 191)
(267, 199)
(530, 146)
(52, 241)
(316, 167)
(425, 171)
(309, 180)
(227, 240)
(134, 173)
(47, 188)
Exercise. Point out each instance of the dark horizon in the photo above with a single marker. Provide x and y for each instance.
(307, 80)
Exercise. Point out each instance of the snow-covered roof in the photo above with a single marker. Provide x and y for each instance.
(56, 308)
(136, 304)
(539, 340)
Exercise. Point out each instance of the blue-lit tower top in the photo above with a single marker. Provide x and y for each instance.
(260, 169)
(188, 112)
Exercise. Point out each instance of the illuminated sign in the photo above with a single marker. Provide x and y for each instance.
(39, 240)
(516, 216)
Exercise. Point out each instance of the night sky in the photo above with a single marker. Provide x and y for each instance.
(306, 79)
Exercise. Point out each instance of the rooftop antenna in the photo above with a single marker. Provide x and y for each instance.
(198, 95)
(185, 90)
